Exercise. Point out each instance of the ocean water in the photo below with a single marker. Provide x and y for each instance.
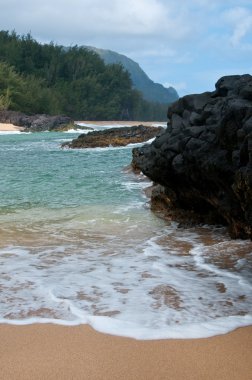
(79, 245)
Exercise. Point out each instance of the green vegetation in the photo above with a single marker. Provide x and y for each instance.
(48, 78)
(152, 92)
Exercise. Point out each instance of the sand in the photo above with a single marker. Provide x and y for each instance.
(122, 123)
(5, 127)
(46, 352)
(59, 352)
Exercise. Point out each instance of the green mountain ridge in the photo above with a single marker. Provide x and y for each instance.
(151, 91)
(50, 79)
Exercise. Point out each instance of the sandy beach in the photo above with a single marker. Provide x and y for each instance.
(5, 127)
(53, 352)
(58, 352)
(122, 123)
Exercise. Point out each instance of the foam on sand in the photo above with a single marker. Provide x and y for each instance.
(149, 289)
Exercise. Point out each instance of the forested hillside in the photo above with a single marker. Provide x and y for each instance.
(47, 78)
(151, 91)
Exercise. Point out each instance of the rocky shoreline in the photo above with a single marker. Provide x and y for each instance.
(203, 161)
(114, 137)
(36, 123)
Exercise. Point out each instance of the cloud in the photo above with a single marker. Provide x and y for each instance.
(241, 20)
(87, 18)
(178, 86)
(173, 41)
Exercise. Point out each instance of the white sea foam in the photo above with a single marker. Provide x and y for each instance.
(13, 133)
(149, 288)
(100, 127)
(83, 131)
(111, 147)
(132, 145)
(101, 257)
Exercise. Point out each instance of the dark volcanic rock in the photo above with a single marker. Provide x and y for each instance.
(115, 137)
(204, 158)
(35, 123)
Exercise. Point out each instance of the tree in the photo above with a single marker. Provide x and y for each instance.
(36, 78)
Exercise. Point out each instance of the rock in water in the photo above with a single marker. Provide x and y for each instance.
(115, 137)
(204, 158)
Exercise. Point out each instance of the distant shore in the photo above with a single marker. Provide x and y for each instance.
(120, 122)
(59, 352)
(6, 127)
(115, 123)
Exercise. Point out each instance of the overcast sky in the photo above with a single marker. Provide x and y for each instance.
(185, 43)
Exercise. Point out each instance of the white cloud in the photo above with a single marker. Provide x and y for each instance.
(241, 20)
(171, 40)
(99, 17)
(178, 86)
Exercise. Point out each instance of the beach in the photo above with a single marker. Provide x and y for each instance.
(115, 123)
(7, 127)
(57, 352)
(72, 262)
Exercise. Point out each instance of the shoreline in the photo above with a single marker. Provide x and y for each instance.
(61, 352)
(8, 127)
(47, 351)
(125, 123)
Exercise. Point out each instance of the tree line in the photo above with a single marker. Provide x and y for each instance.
(52, 79)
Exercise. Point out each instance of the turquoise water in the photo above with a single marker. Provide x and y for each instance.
(36, 172)
(79, 244)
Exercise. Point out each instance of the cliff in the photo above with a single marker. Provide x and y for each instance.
(151, 91)
(204, 158)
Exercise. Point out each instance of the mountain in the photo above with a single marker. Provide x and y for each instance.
(49, 79)
(150, 90)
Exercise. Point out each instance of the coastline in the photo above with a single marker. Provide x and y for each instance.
(7, 127)
(125, 123)
(46, 351)
(61, 352)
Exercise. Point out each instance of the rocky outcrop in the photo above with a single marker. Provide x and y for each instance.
(115, 137)
(204, 159)
(35, 123)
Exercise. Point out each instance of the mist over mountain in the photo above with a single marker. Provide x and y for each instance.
(150, 90)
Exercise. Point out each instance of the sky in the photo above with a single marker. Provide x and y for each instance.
(187, 44)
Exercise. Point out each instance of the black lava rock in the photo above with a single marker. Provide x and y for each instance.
(204, 158)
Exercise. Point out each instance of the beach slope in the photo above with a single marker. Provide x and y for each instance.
(7, 127)
(58, 352)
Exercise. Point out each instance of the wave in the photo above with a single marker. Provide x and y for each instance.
(14, 133)
(79, 245)
(116, 263)
(78, 131)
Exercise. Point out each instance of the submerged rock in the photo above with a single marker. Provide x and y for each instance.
(36, 123)
(204, 158)
(115, 137)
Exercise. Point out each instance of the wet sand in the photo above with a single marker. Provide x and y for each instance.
(6, 127)
(59, 352)
(44, 352)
